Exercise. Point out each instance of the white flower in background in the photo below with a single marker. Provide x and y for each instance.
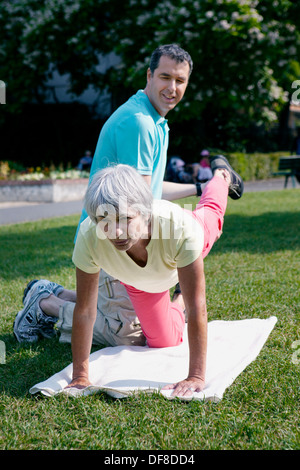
(269, 115)
(224, 24)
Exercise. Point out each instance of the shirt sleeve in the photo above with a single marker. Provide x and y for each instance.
(190, 243)
(136, 143)
(188, 253)
(82, 257)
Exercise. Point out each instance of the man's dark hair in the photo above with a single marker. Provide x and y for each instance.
(174, 52)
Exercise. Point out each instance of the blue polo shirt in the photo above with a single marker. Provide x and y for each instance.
(135, 135)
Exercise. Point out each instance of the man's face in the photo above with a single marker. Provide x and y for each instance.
(166, 87)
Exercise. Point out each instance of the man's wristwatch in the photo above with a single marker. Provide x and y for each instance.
(199, 189)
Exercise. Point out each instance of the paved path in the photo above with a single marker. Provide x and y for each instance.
(15, 212)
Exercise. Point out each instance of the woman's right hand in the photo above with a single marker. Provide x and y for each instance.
(80, 383)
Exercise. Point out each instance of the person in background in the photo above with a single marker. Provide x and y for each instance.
(176, 171)
(85, 162)
(204, 169)
(295, 150)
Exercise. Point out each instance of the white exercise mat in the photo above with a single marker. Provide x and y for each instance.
(123, 370)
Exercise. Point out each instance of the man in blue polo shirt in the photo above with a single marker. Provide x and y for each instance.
(136, 134)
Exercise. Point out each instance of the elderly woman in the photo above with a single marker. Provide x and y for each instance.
(149, 246)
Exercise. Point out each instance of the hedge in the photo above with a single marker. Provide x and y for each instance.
(255, 166)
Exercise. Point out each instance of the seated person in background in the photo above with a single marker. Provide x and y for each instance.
(176, 171)
(204, 169)
(85, 162)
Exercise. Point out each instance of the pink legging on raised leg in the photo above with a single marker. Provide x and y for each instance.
(161, 320)
(210, 211)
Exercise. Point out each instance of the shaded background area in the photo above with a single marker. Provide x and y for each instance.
(49, 134)
(60, 133)
(243, 95)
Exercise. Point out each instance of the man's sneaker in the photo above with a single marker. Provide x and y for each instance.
(31, 322)
(27, 289)
(236, 187)
(52, 287)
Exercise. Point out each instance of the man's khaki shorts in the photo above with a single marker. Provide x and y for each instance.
(116, 322)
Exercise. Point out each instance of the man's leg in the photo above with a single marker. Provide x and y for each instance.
(116, 322)
(40, 285)
(116, 317)
(47, 304)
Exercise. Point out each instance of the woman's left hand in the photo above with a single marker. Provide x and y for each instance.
(186, 388)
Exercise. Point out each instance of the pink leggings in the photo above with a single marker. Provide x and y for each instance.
(161, 320)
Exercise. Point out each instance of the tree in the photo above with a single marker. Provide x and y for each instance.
(245, 54)
(40, 37)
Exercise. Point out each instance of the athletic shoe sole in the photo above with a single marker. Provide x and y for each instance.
(22, 313)
(236, 188)
(27, 288)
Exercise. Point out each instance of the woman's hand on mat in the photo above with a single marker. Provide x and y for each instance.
(186, 388)
(79, 382)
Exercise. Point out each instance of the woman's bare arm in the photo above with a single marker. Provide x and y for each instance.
(192, 284)
(82, 329)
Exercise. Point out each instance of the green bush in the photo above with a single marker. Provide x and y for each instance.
(255, 166)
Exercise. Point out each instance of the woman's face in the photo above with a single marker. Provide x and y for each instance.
(122, 230)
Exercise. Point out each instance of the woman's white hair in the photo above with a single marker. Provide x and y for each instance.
(115, 186)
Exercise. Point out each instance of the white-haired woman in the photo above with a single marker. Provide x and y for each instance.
(149, 246)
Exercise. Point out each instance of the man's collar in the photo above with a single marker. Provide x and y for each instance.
(156, 116)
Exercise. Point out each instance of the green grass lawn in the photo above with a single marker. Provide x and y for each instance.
(252, 272)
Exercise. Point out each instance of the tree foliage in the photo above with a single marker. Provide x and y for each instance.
(245, 52)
